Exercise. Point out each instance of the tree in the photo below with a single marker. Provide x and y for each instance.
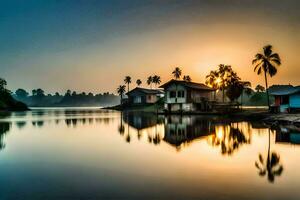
(150, 81)
(177, 73)
(156, 80)
(138, 82)
(127, 81)
(21, 93)
(33, 92)
(3, 84)
(266, 63)
(187, 78)
(121, 90)
(212, 80)
(221, 78)
(40, 92)
(260, 88)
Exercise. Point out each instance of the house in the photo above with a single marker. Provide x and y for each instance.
(141, 96)
(187, 96)
(183, 130)
(287, 97)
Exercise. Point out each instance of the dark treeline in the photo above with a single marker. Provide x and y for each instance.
(38, 98)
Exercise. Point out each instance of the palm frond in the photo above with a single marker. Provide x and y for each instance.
(268, 50)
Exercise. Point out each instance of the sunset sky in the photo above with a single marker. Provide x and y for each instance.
(91, 45)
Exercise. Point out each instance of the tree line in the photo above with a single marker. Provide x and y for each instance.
(70, 98)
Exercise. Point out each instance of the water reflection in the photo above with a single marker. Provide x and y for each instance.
(230, 137)
(182, 130)
(269, 165)
(4, 128)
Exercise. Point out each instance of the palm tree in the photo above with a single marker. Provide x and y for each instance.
(156, 80)
(138, 82)
(266, 63)
(121, 90)
(127, 81)
(259, 88)
(177, 73)
(271, 166)
(150, 81)
(212, 81)
(187, 78)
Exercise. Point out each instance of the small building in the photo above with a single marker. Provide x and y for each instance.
(287, 97)
(141, 96)
(187, 96)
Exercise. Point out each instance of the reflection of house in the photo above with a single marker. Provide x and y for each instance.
(184, 129)
(287, 97)
(143, 96)
(187, 96)
(293, 138)
(140, 121)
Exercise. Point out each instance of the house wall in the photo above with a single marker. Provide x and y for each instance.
(295, 100)
(197, 95)
(151, 98)
(179, 99)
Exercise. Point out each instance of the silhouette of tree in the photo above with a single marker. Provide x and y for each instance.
(40, 92)
(150, 81)
(127, 81)
(187, 78)
(260, 88)
(138, 82)
(156, 80)
(121, 90)
(270, 165)
(3, 84)
(33, 92)
(21, 93)
(221, 78)
(266, 63)
(177, 73)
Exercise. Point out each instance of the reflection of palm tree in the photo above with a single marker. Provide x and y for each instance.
(266, 63)
(271, 166)
(121, 128)
(230, 140)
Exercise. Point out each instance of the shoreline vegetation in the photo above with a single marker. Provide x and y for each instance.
(7, 102)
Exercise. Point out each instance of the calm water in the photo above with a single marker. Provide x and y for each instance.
(92, 154)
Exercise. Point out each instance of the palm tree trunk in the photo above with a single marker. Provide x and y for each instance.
(127, 87)
(223, 91)
(266, 81)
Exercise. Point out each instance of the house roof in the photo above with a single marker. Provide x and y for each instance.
(192, 85)
(278, 90)
(145, 91)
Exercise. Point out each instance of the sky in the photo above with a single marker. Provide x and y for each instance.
(91, 45)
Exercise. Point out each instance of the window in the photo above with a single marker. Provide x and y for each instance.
(180, 94)
(172, 94)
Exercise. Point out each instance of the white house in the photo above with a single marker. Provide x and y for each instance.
(187, 96)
